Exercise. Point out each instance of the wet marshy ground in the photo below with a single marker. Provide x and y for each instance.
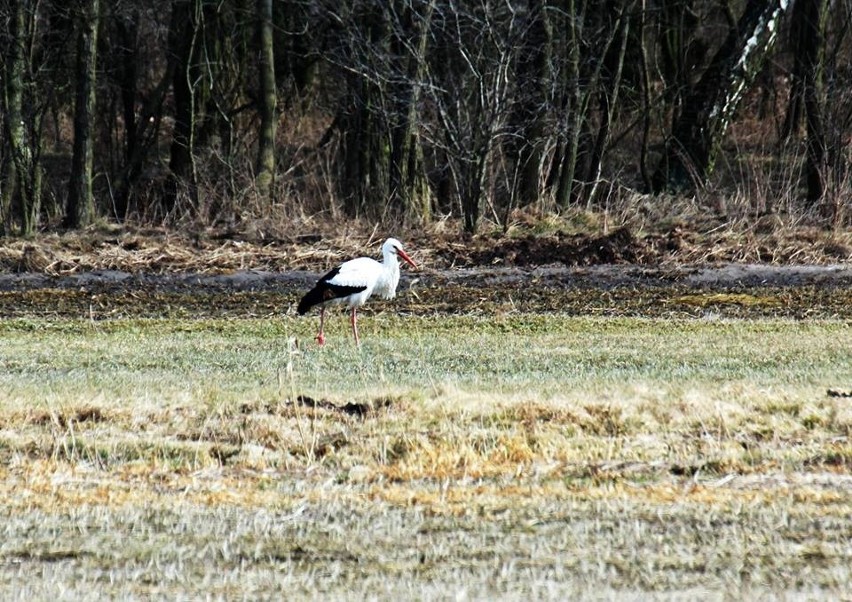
(728, 290)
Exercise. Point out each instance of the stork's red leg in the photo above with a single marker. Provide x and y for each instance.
(355, 326)
(320, 334)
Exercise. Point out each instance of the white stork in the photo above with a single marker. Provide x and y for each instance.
(353, 282)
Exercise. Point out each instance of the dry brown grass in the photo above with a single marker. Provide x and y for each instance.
(660, 231)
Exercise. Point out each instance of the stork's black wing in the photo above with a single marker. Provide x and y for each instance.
(325, 291)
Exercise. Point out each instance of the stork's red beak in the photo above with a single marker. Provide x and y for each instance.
(406, 258)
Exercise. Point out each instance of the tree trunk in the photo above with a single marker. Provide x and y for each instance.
(295, 55)
(80, 210)
(265, 170)
(365, 147)
(143, 139)
(535, 73)
(127, 32)
(571, 81)
(646, 98)
(810, 63)
(681, 49)
(408, 186)
(581, 83)
(710, 105)
(25, 188)
(607, 99)
(472, 187)
(183, 36)
(12, 118)
(7, 193)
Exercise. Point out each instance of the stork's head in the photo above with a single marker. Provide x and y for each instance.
(393, 247)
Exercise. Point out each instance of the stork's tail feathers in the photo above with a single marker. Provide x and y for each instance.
(313, 297)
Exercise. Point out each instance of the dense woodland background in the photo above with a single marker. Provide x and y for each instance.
(219, 112)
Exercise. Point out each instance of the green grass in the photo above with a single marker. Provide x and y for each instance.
(512, 456)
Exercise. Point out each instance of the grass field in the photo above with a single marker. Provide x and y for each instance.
(454, 457)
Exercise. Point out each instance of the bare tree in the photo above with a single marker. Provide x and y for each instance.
(135, 96)
(24, 174)
(80, 209)
(359, 59)
(807, 94)
(265, 172)
(381, 61)
(470, 87)
(17, 166)
(467, 109)
(530, 119)
(617, 21)
(183, 41)
(408, 186)
(812, 49)
(711, 103)
(589, 73)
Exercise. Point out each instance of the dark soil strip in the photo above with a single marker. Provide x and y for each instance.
(731, 290)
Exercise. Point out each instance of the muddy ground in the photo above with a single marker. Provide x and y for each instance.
(130, 274)
(729, 290)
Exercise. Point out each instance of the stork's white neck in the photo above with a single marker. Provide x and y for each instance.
(389, 257)
(386, 286)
